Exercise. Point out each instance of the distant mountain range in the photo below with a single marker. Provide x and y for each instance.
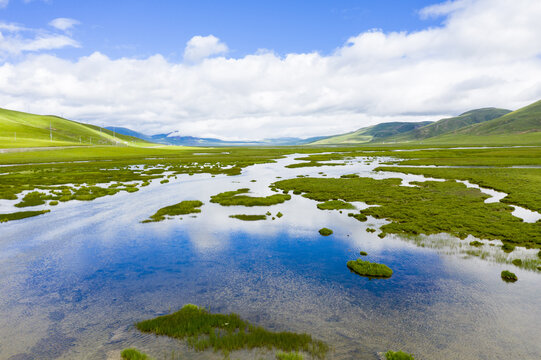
(173, 139)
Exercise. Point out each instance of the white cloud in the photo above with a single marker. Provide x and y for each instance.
(3, 3)
(64, 23)
(201, 47)
(486, 54)
(444, 8)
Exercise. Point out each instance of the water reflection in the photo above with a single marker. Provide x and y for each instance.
(75, 280)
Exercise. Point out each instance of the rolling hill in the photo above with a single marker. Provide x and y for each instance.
(372, 133)
(19, 129)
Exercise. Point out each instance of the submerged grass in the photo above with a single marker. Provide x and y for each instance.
(369, 269)
(227, 333)
(232, 198)
(182, 208)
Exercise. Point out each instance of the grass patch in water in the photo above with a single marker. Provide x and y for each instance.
(279, 215)
(33, 198)
(237, 197)
(21, 215)
(363, 253)
(508, 276)
(369, 269)
(227, 333)
(133, 354)
(476, 243)
(245, 217)
(508, 248)
(517, 262)
(349, 176)
(289, 356)
(398, 355)
(325, 231)
(182, 208)
(430, 207)
(335, 205)
(370, 230)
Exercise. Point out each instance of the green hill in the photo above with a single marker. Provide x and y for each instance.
(19, 129)
(445, 126)
(520, 127)
(372, 133)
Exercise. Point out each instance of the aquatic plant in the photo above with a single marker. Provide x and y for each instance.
(508, 247)
(182, 208)
(21, 215)
(370, 230)
(517, 262)
(289, 356)
(33, 198)
(508, 276)
(363, 253)
(53, 202)
(231, 198)
(367, 268)
(360, 216)
(164, 181)
(133, 354)
(245, 217)
(227, 333)
(398, 355)
(476, 243)
(349, 176)
(279, 214)
(335, 205)
(325, 231)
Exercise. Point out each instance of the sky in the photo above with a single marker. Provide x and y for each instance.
(242, 70)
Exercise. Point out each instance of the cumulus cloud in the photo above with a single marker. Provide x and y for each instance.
(486, 53)
(64, 23)
(201, 47)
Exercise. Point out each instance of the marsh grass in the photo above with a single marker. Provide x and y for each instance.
(508, 276)
(245, 217)
(335, 205)
(133, 354)
(398, 355)
(237, 197)
(325, 231)
(369, 269)
(182, 208)
(429, 207)
(21, 215)
(289, 356)
(226, 333)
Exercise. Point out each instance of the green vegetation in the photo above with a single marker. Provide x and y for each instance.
(32, 199)
(508, 276)
(428, 208)
(363, 253)
(370, 230)
(133, 354)
(182, 208)
(523, 186)
(289, 356)
(398, 355)
(227, 333)
(310, 164)
(476, 243)
(248, 217)
(508, 247)
(325, 231)
(231, 198)
(367, 268)
(349, 176)
(335, 205)
(279, 215)
(517, 262)
(21, 215)
(19, 129)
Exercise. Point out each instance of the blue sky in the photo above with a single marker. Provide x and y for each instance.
(142, 28)
(253, 69)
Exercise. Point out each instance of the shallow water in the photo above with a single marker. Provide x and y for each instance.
(75, 280)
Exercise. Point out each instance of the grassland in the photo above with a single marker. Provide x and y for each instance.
(227, 333)
(237, 197)
(428, 208)
(369, 269)
(182, 208)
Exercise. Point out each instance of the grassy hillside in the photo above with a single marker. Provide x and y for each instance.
(372, 133)
(19, 129)
(445, 126)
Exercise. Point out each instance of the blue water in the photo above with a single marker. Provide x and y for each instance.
(75, 280)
